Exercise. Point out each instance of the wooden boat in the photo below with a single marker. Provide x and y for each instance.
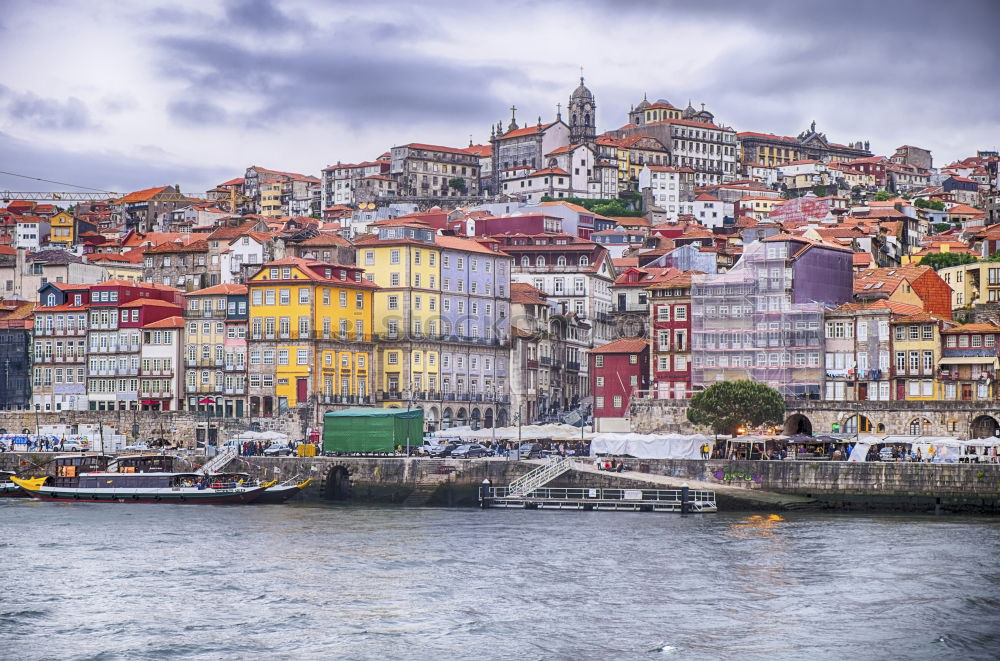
(279, 493)
(274, 492)
(8, 489)
(127, 480)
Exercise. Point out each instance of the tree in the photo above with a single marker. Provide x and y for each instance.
(729, 405)
(942, 227)
(941, 260)
(820, 191)
(882, 196)
(458, 184)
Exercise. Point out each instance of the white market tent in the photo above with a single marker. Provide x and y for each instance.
(649, 446)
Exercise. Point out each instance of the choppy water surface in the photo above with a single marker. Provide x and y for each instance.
(314, 581)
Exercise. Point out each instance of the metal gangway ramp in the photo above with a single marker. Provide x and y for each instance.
(539, 477)
(219, 461)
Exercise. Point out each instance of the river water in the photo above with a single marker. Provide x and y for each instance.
(311, 581)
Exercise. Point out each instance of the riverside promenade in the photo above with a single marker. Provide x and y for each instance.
(739, 485)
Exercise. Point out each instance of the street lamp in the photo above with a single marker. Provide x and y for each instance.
(517, 419)
(208, 403)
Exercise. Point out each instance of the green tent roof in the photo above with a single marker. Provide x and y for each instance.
(374, 412)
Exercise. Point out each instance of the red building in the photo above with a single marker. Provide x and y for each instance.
(670, 321)
(617, 370)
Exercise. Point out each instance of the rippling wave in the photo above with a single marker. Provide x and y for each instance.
(311, 581)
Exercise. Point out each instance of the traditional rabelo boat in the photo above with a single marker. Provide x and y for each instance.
(274, 492)
(133, 479)
(8, 489)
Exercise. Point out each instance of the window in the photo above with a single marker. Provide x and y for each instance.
(633, 359)
(617, 402)
(599, 361)
(394, 256)
(303, 295)
(663, 313)
(302, 356)
(282, 356)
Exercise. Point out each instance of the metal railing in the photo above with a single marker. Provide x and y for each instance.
(695, 496)
(540, 476)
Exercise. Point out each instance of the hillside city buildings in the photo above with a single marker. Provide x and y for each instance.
(552, 271)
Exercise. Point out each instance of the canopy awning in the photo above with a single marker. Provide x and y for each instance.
(971, 360)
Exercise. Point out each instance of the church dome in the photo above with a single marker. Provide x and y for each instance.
(643, 104)
(582, 92)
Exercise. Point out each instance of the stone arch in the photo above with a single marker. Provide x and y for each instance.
(919, 427)
(798, 424)
(337, 485)
(476, 419)
(488, 419)
(446, 418)
(857, 423)
(462, 417)
(431, 421)
(502, 418)
(880, 428)
(984, 426)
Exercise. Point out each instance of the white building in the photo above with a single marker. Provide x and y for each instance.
(30, 232)
(160, 376)
(669, 188)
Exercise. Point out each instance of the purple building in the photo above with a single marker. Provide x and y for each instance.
(475, 330)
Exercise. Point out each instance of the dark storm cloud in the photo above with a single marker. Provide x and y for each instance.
(197, 112)
(70, 114)
(260, 16)
(103, 170)
(362, 72)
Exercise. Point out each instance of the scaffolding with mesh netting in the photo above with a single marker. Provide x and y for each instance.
(745, 326)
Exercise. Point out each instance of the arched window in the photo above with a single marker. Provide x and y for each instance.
(561, 261)
(584, 260)
(50, 300)
(919, 426)
(525, 261)
(574, 121)
(540, 261)
(586, 120)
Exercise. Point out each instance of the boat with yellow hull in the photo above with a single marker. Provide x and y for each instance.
(8, 489)
(141, 479)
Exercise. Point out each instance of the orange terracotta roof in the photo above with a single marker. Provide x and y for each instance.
(155, 302)
(524, 294)
(623, 345)
(216, 290)
(973, 328)
(527, 130)
(144, 195)
(169, 322)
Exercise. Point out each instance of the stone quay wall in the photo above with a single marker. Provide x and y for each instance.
(453, 482)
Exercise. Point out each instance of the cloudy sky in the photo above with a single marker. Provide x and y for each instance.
(121, 96)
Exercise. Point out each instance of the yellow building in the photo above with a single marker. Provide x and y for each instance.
(916, 354)
(62, 229)
(973, 284)
(270, 198)
(405, 262)
(310, 335)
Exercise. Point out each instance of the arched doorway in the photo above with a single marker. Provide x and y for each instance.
(983, 427)
(477, 419)
(338, 484)
(857, 424)
(462, 417)
(502, 418)
(488, 419)
(446, 418)
(798, 424)
(920, 427)
(431, 421)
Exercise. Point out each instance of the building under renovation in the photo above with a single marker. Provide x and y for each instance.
(763, 319)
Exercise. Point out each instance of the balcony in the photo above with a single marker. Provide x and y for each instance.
(573, 366)
(191, 388)
(531, 364)
(235, 367)
(545, 361)
(191, 362)
(234, 391)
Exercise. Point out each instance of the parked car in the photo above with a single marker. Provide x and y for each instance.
(135, 447)
(70, 446)
(529, 451)
(470, 450)
(278, 450)
(443, 450)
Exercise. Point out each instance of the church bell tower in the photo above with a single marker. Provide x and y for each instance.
(582, 115)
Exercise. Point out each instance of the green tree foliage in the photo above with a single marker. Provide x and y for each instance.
(940, 260)
(458, 184)
(729, 405)
(820, 191)
(882, 196)
(942, 227)
(602, 207)
(936, 205)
